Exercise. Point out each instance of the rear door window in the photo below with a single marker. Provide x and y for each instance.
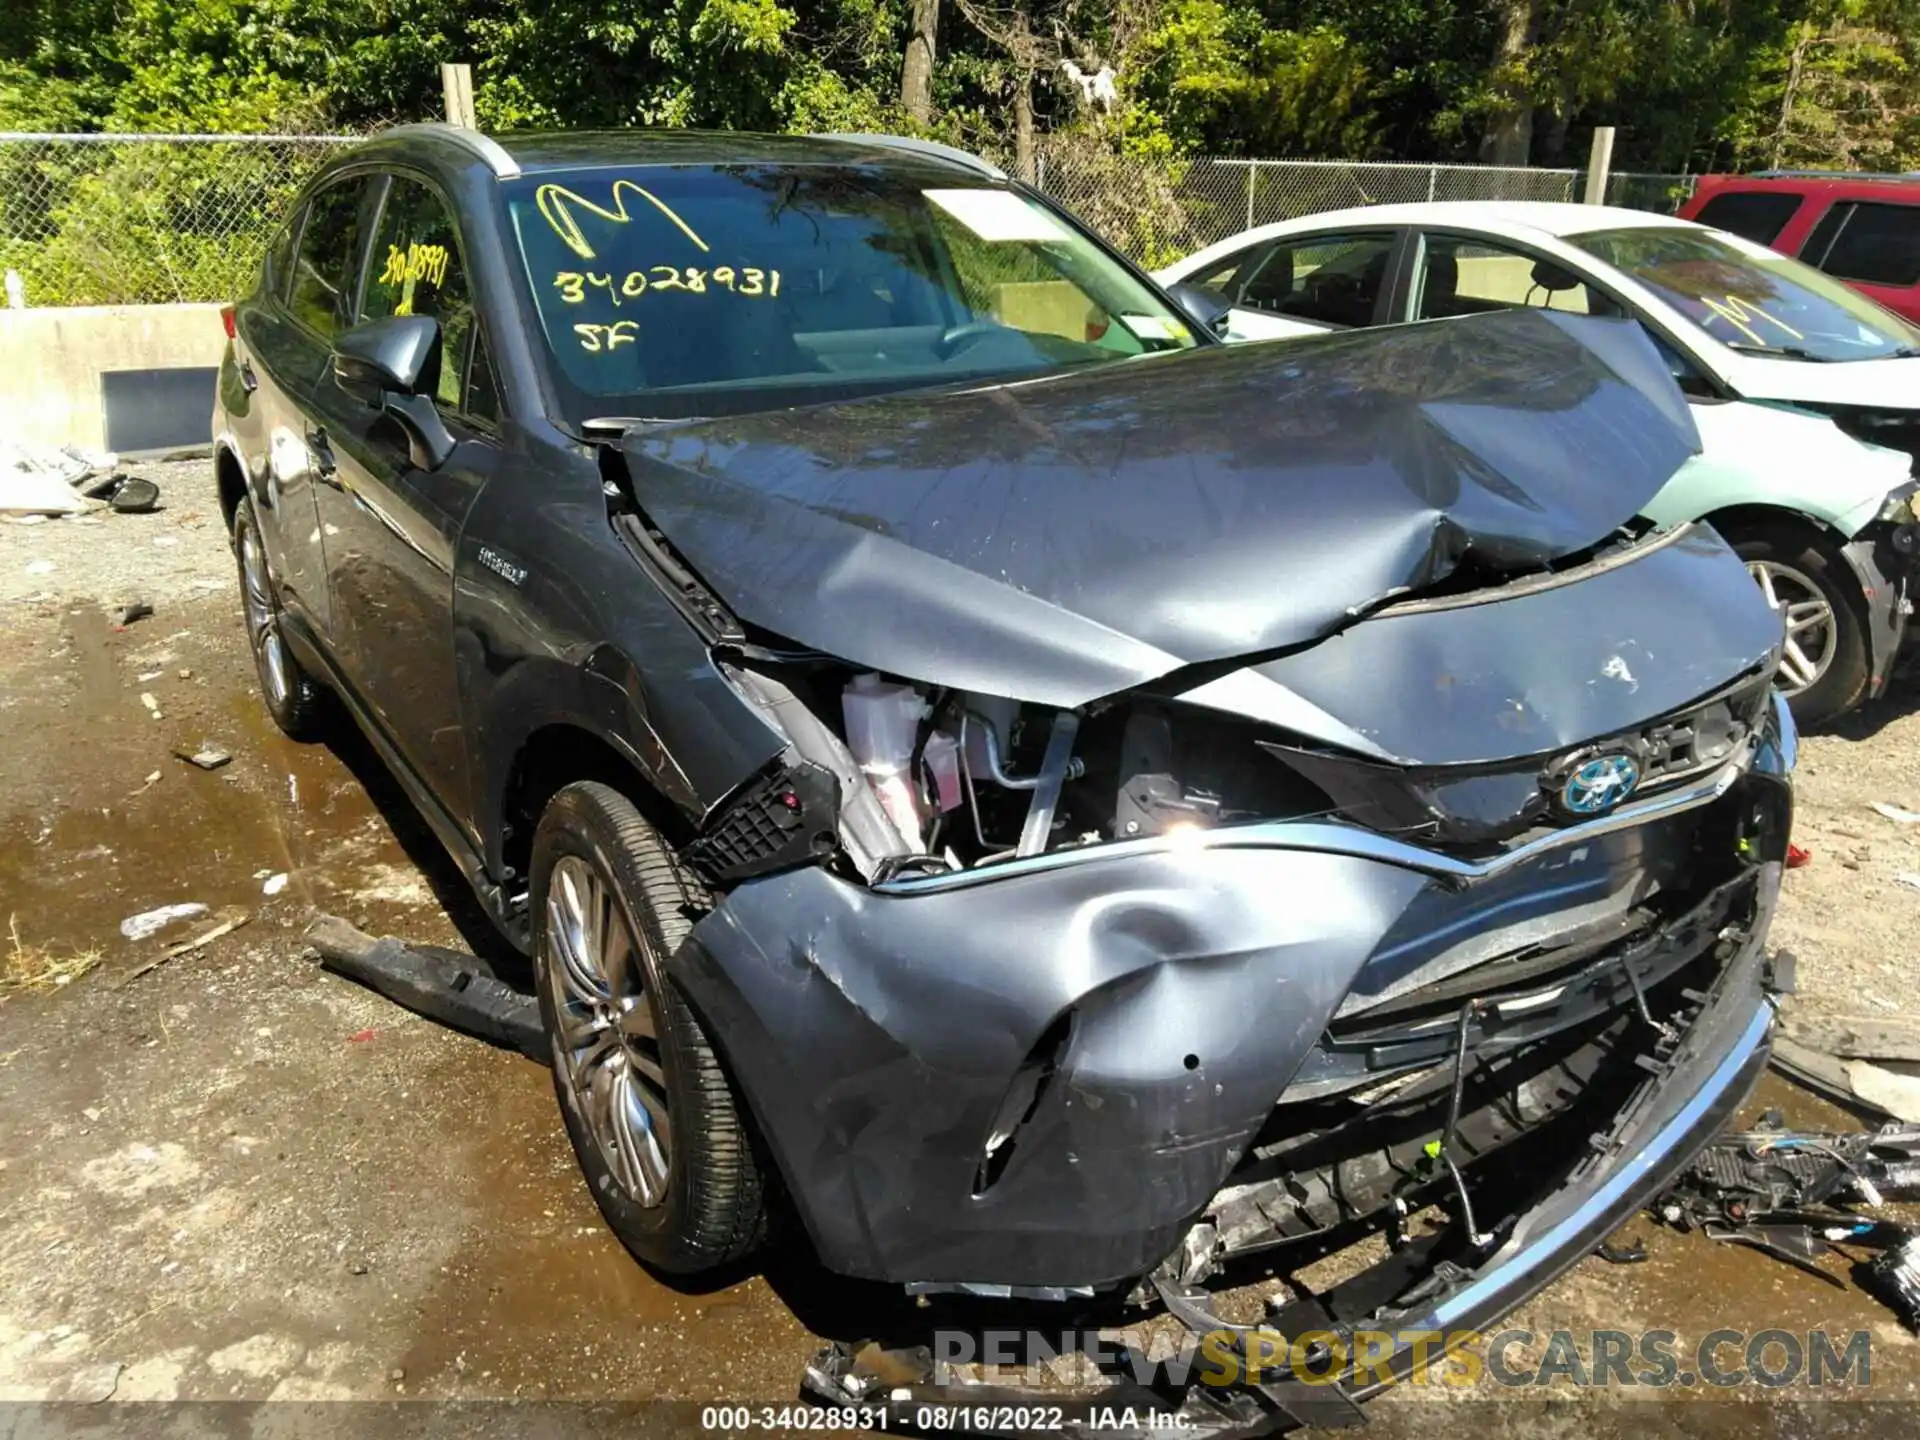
(1757, 215)
(324, 269)
(1874, 243)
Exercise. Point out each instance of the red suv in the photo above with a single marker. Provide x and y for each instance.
(1862, 229)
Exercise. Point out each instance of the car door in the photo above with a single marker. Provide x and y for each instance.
(392, 527)
(1874, 246)
(278, 356)
(1304, 285)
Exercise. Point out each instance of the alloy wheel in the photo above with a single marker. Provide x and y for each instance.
(1812, 636)
(263, 620)
(608, 1037)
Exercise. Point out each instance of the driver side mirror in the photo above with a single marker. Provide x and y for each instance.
(1201, 305)
(394, 364)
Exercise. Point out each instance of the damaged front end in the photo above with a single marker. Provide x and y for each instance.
(1229, 835)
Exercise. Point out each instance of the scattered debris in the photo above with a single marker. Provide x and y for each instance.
(1822, 1074)
(207, 757)
(445, 985)
(151, 781)
(1898, 1095)
(37, 969)
(1896, 814)
(274, 884)
(1908, 878)
(40, 567)
(134, 496)
(1789, 1193)
(1894, 1276)
(1855, 1037)
(26, 494)
(1796, 856)
(133, 610)
(361, 1037)
(153, 705)
(233, 920)
(152, 922)
(39, 479)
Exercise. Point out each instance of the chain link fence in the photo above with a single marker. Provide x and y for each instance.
(143, 219)
(1159, 210)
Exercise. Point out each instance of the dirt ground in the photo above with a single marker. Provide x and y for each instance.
(231, 1176)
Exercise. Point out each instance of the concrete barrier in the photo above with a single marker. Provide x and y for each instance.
(51, 361)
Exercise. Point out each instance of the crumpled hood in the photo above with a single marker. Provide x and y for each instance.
(1062, 539)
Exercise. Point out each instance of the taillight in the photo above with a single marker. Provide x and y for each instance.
(226, 319)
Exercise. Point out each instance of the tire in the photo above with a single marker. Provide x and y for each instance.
(294, 699)
(628, 1052)
(1802, 568)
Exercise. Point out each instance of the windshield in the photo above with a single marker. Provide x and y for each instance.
(1752, 298)
(670, 291)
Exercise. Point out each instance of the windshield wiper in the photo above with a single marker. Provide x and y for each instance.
(1784, 352)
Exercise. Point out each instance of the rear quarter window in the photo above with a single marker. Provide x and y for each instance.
(1757, 215)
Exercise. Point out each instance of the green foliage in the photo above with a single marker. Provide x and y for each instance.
(1691, 84)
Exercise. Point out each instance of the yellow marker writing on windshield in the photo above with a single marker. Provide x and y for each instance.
(556, 203)
(598, 339)
(1738, 312)
(573, 285)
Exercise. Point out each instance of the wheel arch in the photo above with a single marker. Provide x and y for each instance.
(559, 753)
(1731, 519)
(230, 474)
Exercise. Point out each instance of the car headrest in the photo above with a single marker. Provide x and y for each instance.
(1552, 277)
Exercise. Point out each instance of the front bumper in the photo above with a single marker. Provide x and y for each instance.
(1130, 1014)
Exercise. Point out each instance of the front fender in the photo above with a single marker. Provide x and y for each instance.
(1790, 460)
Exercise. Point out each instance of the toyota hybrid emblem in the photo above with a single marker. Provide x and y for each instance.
(1599, 784)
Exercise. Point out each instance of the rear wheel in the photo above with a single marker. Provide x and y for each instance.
(1824, 666)
(654, 1122)
(293, 698)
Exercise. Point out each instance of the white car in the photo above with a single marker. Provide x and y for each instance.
(1822, 506)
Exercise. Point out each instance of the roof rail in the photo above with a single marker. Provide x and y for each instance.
(924, 147)
(1835, 175)
(484, 147)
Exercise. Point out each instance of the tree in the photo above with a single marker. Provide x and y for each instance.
(1508, 139)
(916, 66)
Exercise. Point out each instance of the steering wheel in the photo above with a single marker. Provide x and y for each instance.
(960, 337)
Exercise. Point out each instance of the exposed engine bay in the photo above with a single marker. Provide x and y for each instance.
(896, 778)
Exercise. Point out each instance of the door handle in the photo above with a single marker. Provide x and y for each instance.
(249, 381)
(324, 468)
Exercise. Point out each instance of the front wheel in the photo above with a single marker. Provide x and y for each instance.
(1824, 665)
(655, 1125)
